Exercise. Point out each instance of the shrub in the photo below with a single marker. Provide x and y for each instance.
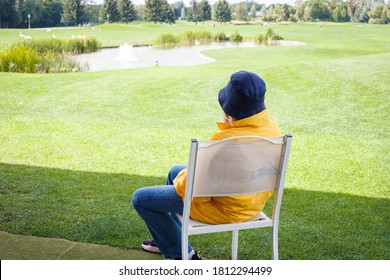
(271, 35)
(203, 36)
(42, 45)
(260, 39)
(236, 37)
(19, 59)
(76, 45)
(46, 55)
(190, 37)
(52, 62)
(167, 39)
(187, 38)
(219, 37)
(268, 38)
(91, 44)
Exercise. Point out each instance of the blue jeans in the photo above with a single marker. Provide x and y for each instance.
(157, 206)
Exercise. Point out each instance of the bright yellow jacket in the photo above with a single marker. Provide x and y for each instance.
(231, 209)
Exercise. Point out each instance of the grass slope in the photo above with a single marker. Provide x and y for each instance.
(74, 147)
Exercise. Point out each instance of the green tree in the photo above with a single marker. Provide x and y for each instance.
(110, 11)
(167, 14)
(34, 8)
(275, 14)
(379, 14)
(358, 10)
(292, 11)
(126, 11)
(193, 13)
(158, 11)
(204, 10)
(140, 9)
(8, 14)
(271, 12)
(51, 13)
(223, 12)
(177, 9)
(300, 11)
(92, 12)
(72, 11)
(241, 13)
(284, 12)
(183, 13)
(153, 10)
(317, 10)
(340, 12)
(386, 12)
(253, 10)
(263, 12)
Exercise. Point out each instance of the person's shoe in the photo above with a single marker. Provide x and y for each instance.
(195, 257)
(150, 246)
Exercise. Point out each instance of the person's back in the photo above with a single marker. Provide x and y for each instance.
(242, 101)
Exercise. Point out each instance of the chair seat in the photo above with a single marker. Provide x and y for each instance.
(260, 220)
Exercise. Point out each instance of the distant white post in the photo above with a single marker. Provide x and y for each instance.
(28, 21)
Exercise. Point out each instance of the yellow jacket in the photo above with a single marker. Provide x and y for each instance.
(231, 209)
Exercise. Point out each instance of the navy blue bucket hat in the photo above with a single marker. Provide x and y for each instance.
(243, 96)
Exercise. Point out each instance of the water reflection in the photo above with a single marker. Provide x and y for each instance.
(127, 56)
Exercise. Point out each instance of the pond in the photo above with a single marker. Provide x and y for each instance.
(127, 56)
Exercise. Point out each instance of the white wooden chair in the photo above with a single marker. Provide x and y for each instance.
(231, 167)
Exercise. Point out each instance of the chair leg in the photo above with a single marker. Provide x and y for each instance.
(275, 251)
(234, 244)
(184, 249)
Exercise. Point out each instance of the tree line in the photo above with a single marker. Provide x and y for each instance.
(50, 13)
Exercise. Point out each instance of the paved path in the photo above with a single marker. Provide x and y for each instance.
(19, 247)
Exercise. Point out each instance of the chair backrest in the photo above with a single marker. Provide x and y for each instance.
(237, 166)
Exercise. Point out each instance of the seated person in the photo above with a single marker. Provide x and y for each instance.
(244, 113)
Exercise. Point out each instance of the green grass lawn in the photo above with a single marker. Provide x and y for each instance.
(75, 146)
